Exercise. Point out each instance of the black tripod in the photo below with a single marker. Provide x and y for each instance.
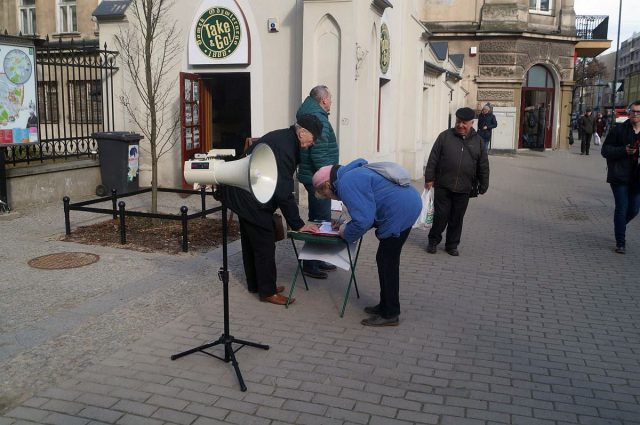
(225, 339)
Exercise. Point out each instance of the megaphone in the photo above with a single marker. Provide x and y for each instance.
(257, 173)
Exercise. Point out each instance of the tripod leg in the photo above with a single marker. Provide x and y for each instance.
(200, 348)
(251, 344)
(229, 350)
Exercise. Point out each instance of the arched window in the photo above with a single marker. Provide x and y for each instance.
(539, 76)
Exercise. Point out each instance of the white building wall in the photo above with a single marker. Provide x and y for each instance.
(286, 64)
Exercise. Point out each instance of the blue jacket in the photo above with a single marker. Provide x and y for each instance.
(374, 201)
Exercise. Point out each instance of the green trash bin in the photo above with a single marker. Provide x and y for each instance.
(119, 153)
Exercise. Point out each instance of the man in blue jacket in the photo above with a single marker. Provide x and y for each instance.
(372, 201)
(323, 152)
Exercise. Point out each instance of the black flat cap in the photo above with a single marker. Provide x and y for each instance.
(465, 114)
(310, 123)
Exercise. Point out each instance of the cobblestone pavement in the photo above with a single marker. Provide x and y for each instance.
(535, 323)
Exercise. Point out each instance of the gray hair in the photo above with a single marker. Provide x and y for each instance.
(319, 92)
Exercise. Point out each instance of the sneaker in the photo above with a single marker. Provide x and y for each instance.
(373, 310)
(316, 274)
(432, 248)
(326, 267)
(453, 252)
(620, 250)
(381, 321)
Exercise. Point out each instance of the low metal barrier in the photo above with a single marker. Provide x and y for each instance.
(118, 210)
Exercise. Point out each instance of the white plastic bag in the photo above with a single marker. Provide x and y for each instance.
(596, 139)
(425, 220)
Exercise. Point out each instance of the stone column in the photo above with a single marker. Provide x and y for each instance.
(566, 92)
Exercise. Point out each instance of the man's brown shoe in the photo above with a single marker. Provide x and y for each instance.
(277, 299)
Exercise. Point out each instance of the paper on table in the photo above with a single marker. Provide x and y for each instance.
(334, 254)
(324, 228)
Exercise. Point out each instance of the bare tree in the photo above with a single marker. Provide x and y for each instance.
(149, 46)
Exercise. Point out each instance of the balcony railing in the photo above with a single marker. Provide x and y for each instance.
(592, 27)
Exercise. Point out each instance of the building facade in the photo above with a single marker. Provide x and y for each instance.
(520, 58)
(629, 56)
(57, 19)
(393, 91)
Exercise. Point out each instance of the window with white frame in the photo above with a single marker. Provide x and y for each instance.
(67, 19)
(541, 6)
(27, 19)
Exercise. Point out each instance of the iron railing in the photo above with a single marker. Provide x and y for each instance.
(592, 27)
(75, 100)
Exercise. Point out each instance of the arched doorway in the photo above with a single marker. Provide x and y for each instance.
(537, 109)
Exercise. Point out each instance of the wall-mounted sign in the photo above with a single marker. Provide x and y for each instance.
(385, 48)
(219, 34)
(18, 96)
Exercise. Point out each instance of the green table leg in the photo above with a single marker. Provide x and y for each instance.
(352, 264)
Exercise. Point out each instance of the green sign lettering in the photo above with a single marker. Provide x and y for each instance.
(218, 32)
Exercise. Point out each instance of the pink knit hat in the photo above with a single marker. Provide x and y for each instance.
(321, 176)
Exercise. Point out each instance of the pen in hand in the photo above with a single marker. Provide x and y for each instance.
(335, 225)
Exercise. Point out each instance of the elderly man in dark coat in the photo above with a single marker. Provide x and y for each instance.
(457, 159)
(256, 220)
(323, 152)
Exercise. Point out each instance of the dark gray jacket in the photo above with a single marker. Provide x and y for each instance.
(454, 162)
(621, 168)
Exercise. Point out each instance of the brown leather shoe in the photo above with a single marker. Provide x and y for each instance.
(279, 289)
(277, 299)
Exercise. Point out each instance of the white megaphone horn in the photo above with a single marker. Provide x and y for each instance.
(257, 173)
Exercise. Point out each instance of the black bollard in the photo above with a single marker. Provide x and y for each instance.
(67, 220)
(123, 231)
(185, 242)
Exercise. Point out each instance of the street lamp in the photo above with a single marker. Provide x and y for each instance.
(615, 71)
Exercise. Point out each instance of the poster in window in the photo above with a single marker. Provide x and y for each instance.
(18, 95)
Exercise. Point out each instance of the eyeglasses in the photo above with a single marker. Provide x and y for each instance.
(634, 112)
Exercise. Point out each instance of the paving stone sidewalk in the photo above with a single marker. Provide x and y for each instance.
(535, 323)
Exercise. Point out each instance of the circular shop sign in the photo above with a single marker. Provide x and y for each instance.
(385, 49)
(218, 32)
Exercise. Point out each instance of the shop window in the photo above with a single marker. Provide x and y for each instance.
(48, 101)
(27, 12)
(86, 101)
(67, 19)
(540, 6)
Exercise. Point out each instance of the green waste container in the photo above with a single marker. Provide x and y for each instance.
(119, 153)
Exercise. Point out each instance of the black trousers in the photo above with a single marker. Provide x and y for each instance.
(259, 258)
(388, 261)
(585, 142)
(449, 209)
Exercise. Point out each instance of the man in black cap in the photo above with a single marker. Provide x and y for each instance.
(457, 159)
(257, 230)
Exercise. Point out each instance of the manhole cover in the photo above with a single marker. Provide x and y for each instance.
(63, 260)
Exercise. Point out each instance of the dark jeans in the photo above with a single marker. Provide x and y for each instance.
(627, 206)
(319, 210)
(388, 261)
(487, 143)
(585, 142)
(259, 258)
(449, 209)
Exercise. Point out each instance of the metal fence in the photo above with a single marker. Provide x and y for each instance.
(592, 27)
(75, 99)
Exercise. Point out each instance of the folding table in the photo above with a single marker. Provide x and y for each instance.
(329, 241)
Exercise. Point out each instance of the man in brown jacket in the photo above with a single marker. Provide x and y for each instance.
(587, 124)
